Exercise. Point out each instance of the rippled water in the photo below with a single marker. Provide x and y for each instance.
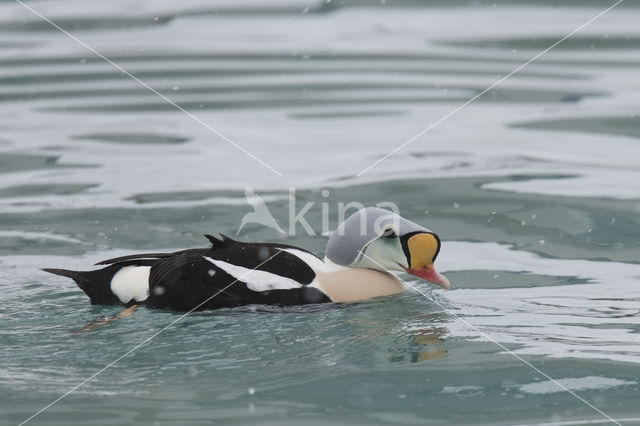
(533, 188)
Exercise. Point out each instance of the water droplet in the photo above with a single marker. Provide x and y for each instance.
(263, 253)
(541, 242)
(155, 18)
(174, 88)
(158, 290)
(456, 205)
(252, 391)
(305, 10)
(211, 272)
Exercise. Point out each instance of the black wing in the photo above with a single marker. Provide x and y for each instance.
(188, 280)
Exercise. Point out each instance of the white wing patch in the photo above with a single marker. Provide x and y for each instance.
(256, 280)
(131, 283)
(313, 262)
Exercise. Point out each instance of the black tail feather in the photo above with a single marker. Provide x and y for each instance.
(74, 275)
(96, 284)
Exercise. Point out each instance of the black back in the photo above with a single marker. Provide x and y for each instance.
(187, 280)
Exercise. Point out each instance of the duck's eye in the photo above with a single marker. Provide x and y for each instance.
(389, 233)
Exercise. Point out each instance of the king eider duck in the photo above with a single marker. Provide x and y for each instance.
(359, 255)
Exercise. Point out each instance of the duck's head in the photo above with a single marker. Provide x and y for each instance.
(375, 238)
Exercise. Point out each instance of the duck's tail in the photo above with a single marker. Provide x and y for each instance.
(93, 283)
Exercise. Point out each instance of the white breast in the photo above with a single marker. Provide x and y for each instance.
(256, 280)
(131, 283)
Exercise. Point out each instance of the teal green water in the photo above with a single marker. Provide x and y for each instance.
(532, 188)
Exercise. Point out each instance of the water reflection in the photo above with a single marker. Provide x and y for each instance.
(432, 346)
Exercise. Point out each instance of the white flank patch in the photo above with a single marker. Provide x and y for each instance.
(131, 283)
(256, 280)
